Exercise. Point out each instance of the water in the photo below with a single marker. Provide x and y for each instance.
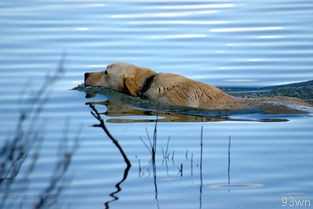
(245, 163)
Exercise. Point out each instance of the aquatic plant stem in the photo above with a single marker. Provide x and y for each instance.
(201, 158)
(102, 125)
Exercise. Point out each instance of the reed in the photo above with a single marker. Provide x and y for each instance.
(21, 151)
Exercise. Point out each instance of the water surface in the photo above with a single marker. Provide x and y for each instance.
(244, 163)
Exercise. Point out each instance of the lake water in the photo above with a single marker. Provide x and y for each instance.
(244, 163)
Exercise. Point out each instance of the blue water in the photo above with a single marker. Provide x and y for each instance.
(224, 43)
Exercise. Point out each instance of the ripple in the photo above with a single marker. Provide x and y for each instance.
(245, 29)
(271, 37)
(168, 14)
(225, 43)
(236, 186)
(180, 22)
(180, 36)
(192, 6)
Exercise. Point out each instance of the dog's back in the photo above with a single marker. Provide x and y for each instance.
(174, 89)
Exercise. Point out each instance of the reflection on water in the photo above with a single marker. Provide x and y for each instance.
(223, 43)
(233, 186)
(102, 125)
(121, 108)
(118, 189)
(121, 113)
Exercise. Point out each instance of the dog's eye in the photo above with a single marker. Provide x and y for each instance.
(106, 72)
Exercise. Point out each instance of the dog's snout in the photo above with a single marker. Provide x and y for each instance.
(86, 75)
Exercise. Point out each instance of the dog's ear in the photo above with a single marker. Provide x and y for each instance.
(134, 83)
(131, 86)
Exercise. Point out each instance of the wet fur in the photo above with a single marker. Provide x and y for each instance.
(176, 90)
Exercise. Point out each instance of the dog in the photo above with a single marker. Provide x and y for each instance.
(175, 90)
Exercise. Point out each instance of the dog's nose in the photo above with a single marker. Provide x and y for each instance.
(86, 75)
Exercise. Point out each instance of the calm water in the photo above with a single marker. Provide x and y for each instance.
(244, 164)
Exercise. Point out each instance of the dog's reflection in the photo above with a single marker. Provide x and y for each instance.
(119, 110)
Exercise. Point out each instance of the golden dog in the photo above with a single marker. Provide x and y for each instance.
(175, 90)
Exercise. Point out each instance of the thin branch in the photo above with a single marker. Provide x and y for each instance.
(101, 124)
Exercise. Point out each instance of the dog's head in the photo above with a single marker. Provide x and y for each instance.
(123, 77)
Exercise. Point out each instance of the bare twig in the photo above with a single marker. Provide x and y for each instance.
(201, 159)
(25, 145)
(102, 125)
(229, 144)
(59, 180)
